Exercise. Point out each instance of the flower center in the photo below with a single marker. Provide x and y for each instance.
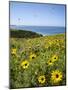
(50, 61)
(57, 75)
(33, 57)
(25, 64)
(42, 79)
(55, 58)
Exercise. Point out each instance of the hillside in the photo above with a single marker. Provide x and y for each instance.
(23, 34)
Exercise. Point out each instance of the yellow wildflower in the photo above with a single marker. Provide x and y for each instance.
(46, 46)
(32, 56)
(50, 62)
(41, 79)
(56, 76)
(55, 58)
(13, 51)
(25, 64)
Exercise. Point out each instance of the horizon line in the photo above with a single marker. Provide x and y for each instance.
(37, 25)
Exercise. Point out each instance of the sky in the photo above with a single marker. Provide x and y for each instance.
(36, 14)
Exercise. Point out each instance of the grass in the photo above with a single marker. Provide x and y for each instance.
(36, 62)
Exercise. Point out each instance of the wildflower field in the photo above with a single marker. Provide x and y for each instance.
(36, 62)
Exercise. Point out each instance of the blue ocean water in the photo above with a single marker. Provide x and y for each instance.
(44, 30)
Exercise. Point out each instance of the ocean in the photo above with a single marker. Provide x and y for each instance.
(44, 30)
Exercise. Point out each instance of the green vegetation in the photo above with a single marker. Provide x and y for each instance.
(36, 62)
(23, 34)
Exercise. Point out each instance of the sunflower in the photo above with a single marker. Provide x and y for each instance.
(13, 51)
(29, 47)
(50, 42)
(56, 76)
(50, 62)
(32, 56)
(57, 40)
(55, 58)
(25, 64)
(41, 79)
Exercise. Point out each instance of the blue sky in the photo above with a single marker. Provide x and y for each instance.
(34, 14)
